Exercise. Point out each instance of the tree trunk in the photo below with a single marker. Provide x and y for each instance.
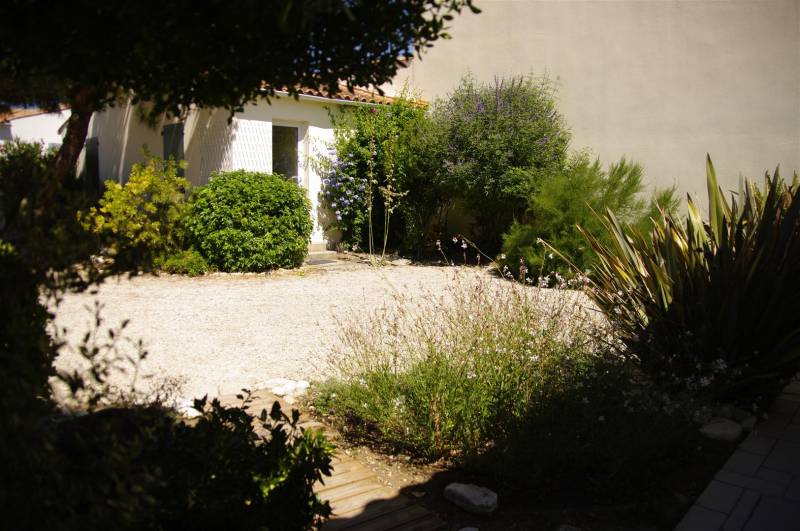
(77, 129)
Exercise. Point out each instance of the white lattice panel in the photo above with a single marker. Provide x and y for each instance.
(216, 142)
(251, 147)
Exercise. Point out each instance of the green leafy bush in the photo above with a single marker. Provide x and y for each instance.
(142, 467)
(188, 262)
(143, 215)
(498, 374)
(41, 241)
(709, 306)
(247, 221)
(572, 197)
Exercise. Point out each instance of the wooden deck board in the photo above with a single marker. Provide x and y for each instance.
(406, 516)
(344, 478)
(362, 500)
(351, 489)
(361, 514)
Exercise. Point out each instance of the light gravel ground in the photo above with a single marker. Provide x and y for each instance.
(220, 333)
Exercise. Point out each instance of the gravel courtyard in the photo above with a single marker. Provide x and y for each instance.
(220, 333)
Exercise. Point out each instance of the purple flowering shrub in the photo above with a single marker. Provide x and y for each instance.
(344, 194)
(500, 140)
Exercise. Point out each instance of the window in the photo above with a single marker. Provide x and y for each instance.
(284, 151)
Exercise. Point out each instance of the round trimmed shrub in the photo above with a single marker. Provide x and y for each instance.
(248, 221)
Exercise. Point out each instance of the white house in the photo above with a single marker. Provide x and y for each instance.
(282, 136)
(34, 125)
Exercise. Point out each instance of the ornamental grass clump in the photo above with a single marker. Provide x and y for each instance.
(709, 306)
(492, 374)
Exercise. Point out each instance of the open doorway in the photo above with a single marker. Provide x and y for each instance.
(286, 145)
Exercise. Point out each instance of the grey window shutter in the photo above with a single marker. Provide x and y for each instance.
(173, 142)
(91, 167)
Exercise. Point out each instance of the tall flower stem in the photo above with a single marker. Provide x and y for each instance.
(370, 183)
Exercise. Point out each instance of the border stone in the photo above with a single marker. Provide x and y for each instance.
(743, 462)
(773, 514)
(741, 513)
(758, 444)
(768, 488)
(793, 491)
(720, 496)
(785, 456)
(776, 476)
(701, 519)
(792, 433)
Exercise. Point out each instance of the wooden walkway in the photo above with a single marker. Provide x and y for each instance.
(359, 500)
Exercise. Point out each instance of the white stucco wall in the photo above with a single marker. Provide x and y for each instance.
(211, 143)
(122, 137)
(37, 128)
(661, 81)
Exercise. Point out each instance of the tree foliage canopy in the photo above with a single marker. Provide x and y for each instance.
(212, 53)
(177, 53)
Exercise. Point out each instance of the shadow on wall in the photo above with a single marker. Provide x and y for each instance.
(123, 136)
(208, 141)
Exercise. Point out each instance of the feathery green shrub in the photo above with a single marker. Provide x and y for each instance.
(571, 197)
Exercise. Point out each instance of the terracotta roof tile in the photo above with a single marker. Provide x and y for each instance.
(25, 112)
(358, 94)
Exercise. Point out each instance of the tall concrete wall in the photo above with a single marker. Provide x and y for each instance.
(661, 81)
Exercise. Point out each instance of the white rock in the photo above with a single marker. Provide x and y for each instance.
(721, 429)
(471, 498)
(186, 408)
(284, 386)
(749, 422)
(725, 411)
